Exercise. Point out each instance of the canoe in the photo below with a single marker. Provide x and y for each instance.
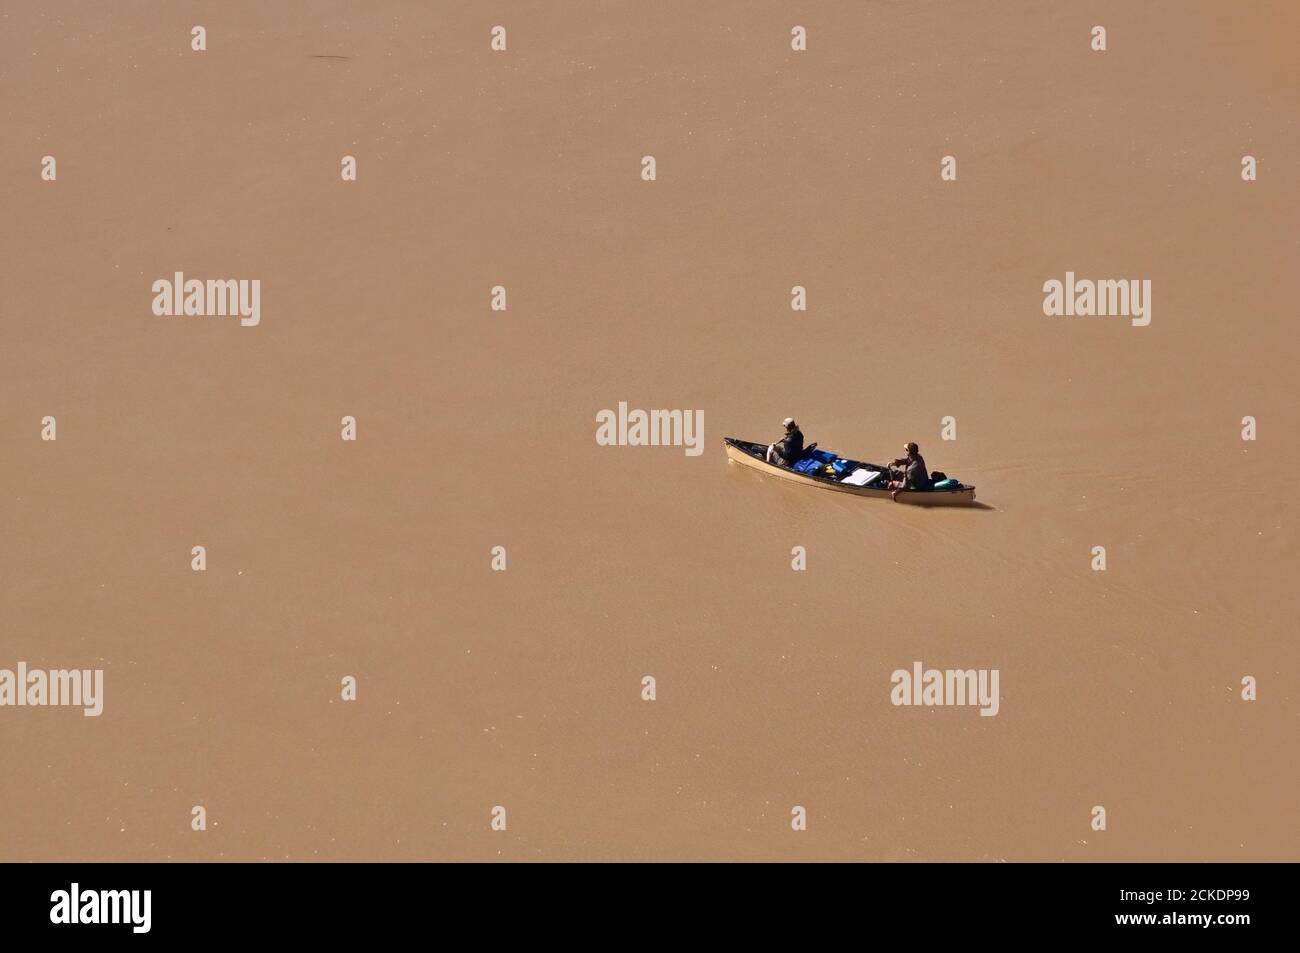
(753, 454)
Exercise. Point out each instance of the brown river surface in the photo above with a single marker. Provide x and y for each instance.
(475, 428)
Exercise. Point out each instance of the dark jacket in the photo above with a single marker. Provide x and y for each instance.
(915, 475)
(791, 448)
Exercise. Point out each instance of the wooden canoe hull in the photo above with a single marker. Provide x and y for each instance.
(742, 452)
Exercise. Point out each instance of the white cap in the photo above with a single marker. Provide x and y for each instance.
(789, 421)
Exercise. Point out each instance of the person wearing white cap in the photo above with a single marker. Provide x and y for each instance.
(914, 475)
(787, 451)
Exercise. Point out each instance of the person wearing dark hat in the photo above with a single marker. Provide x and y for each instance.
(787, 451)
(913, 475)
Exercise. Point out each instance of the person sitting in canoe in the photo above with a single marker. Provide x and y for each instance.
(909, 472)
(787, 451)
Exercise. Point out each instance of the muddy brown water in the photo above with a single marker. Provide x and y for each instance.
(475, 429)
